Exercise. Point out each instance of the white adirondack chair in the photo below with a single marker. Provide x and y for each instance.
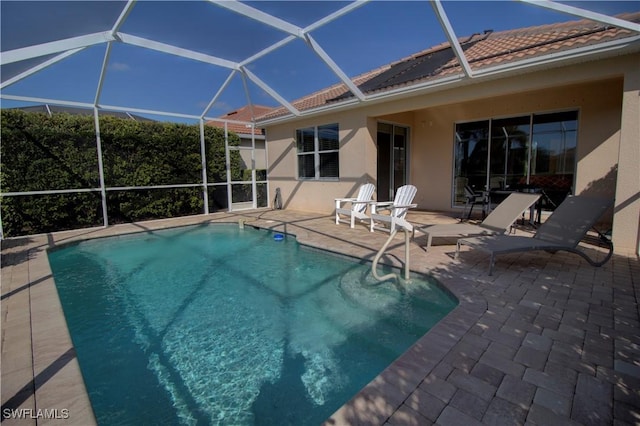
(355, 208)
(397, 210)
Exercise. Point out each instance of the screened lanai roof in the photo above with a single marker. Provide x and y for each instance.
(205, 59)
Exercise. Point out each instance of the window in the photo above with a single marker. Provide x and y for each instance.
(318, 149)
(536, 150)
(554, 143)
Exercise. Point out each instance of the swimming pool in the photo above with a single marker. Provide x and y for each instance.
(219, 325)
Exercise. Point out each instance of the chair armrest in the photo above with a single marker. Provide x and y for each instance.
(394, 207)
(382, 203)
(375, 207)
(408, 206)
(354, 202)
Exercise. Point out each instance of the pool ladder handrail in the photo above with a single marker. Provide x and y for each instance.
(408, 230)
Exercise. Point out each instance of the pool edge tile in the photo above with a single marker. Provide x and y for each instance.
(58, 381)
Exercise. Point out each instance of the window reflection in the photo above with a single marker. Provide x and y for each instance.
(536, 152)
(318, 152)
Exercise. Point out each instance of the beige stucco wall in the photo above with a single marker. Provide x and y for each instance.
(357, 162)
(626, 223)
(599, 107)
(595, 89)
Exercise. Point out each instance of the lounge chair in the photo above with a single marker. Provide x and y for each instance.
(563, 230)
(397, 209)
(498, 221)
(358, 206)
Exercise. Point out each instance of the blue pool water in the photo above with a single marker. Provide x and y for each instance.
(218, 325)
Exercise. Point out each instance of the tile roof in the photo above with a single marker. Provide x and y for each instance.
(246, 114)
(482, 51)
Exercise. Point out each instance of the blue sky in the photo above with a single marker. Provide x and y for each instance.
(374, 34)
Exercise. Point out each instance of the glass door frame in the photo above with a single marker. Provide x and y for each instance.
(514, 171)
(391, 170)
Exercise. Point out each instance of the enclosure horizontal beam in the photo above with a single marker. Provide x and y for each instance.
(259, 15)
(176, 51)
(174, 186)
(49, 192)
(113, 108)
(108, 189)
(53, 47)
(46, 101)
(39, 67)
(146, 111)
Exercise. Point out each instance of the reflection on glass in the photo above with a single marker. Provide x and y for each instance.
(470, 157)
(318, 152)
(305, 139)
(509, 159)
(306, 166)
(535, 151)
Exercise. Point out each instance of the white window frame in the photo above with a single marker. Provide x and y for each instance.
(316, 153)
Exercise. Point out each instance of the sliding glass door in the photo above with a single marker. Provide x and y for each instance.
(471, 155)
(392, 159)
(509, 154)
(532, 151)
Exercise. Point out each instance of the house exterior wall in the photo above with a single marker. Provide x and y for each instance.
(595, 89)
(598, 104)
(626, 223)
(357, 162)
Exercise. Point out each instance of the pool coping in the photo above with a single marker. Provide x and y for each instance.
(53, 390)
(384, 395)
(59, 388)
(377, 401)
(50, 379)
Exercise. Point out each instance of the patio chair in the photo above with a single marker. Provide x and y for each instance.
(497, 222)
(474, 198)
(563, 230)
(358, 206)
(397, 209)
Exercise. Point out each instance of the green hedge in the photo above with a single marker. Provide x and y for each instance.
(41, 152)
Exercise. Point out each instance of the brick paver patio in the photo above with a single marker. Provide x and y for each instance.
(547, 339)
